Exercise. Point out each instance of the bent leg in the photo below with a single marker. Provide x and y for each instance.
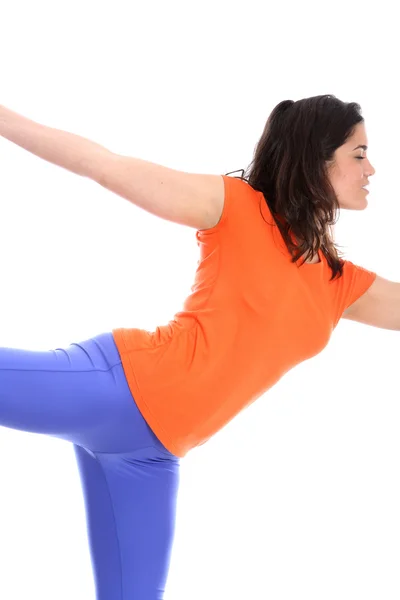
(130, 503)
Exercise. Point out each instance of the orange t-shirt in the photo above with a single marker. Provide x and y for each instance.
(251, 317)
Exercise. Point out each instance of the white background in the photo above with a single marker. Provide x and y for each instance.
(299, 495)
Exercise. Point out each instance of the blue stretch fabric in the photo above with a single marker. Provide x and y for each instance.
(129, 479)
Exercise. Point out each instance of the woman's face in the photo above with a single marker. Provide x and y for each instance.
(351, 171)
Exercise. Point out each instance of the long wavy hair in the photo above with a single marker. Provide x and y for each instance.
(291, 168)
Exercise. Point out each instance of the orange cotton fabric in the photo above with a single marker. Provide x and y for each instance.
(251, 317)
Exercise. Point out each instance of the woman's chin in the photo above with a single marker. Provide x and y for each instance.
(356, 204)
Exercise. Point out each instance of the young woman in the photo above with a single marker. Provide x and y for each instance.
(268, 292)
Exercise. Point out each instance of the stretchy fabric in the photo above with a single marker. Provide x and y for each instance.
(129, 479)
(252, 316)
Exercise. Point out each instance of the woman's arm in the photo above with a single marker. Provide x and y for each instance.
(190, 199)
(67, 150)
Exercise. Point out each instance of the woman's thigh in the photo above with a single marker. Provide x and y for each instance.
(78, 393)
(130, 503)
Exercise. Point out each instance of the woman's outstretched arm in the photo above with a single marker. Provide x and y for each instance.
(64, 149)
(190, 199)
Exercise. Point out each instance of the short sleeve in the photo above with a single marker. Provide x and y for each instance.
(234, 196)
(354, 282)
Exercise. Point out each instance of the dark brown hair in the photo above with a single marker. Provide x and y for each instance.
(290, 167)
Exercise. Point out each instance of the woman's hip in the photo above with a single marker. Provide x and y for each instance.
(78, 393)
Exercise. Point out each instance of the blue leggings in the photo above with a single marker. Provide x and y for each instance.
(129, 479)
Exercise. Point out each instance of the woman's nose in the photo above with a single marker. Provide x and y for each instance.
(370, 171)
